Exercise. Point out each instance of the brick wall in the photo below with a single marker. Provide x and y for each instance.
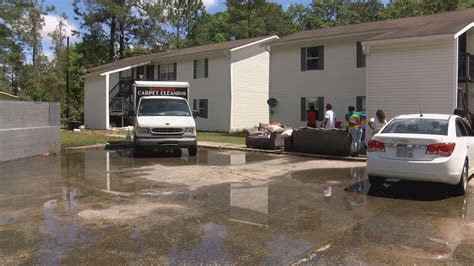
(28, 129)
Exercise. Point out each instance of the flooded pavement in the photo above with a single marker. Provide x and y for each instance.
(223, 207)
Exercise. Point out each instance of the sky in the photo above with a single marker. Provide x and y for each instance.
(65, 6)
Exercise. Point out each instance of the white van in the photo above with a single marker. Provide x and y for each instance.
(163, 121)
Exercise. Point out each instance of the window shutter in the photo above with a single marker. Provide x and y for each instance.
(359, 54)
(194, 105)
(159, 73)
(175, 71)
(206, 68)
(359, 103)
(320, 108)
(303, 108)
(195, 69)
(321, 57)
(303, 59)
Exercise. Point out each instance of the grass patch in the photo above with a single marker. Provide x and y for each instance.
(234, 137)
(76, 139)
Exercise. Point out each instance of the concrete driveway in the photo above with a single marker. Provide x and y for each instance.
(222, 207)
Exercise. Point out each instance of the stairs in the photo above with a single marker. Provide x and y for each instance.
(121, 101)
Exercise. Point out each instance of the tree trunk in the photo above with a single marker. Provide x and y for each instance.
(113, 25)
(121, 39)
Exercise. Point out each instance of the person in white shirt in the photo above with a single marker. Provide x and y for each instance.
(329, 118)
(376, 123)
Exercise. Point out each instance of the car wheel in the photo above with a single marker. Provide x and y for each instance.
(375, 181)
(461, 187)
(192, 150)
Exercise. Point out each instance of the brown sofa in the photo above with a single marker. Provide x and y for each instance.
(320, 141)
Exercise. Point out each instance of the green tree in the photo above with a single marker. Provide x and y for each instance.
(209, 29)
(181, 16)
(252, 18)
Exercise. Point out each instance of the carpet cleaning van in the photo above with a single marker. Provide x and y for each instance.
(162, 116)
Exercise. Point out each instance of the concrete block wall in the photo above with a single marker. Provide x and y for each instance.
(28, 129)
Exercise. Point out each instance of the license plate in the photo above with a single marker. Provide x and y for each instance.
(403, 152)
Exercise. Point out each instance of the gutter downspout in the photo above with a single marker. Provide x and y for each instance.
(107, 100)
(229, 55)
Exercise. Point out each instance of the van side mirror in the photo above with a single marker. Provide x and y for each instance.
(196, 113)
(131, 113)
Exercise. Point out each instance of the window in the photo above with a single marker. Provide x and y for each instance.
(418, 126)
(201, 68)
(150, 72)
(140, 72)
(312, 58)
(167, 72)
(360, 104)
(316, 102)
(201, 105)
(360, 56)
(163, 107)
(125, 75)
(462, 130)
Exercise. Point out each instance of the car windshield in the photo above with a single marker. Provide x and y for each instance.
(163, 107)
(418, 126)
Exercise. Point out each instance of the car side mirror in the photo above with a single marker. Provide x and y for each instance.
(196, 113)
(131, 113)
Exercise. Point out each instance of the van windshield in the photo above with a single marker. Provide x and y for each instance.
(418, 126)
(163, 107)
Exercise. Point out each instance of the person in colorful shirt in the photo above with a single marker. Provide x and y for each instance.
(354, 122)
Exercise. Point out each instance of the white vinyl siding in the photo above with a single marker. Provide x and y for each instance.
(404, 77)
(250, 75)
(339, 83)
(95, 109)
(215, 88)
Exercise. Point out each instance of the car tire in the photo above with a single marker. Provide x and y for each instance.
(461, 187)
(192, 151)
(376, 181)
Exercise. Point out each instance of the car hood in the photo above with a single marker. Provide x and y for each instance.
(165, 121)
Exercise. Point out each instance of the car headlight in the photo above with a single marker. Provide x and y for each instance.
(190, 131)
(143, 130)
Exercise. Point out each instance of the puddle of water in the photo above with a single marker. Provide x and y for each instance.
(204, 157)
(90, 207)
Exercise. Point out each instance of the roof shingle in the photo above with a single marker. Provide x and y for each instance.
(443, 23)
(174, 53)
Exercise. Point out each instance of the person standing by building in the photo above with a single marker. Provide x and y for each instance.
(353, 122)
(329, 118)
(311, 117)
(376, 123)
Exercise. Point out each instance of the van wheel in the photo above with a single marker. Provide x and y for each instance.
(461, 187)
(192, 150)
(376, 181)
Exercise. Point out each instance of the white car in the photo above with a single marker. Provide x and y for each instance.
(428, 147)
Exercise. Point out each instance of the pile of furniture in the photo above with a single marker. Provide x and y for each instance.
(264, 136)
(319, 141)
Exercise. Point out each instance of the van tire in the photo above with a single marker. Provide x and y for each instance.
(192, 151)
(461, 187)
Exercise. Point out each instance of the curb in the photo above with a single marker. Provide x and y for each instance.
(88, 147)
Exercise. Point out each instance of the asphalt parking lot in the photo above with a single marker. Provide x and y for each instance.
(223, 207)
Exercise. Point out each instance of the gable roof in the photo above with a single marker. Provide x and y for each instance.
(145, 59)
(437, 24)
